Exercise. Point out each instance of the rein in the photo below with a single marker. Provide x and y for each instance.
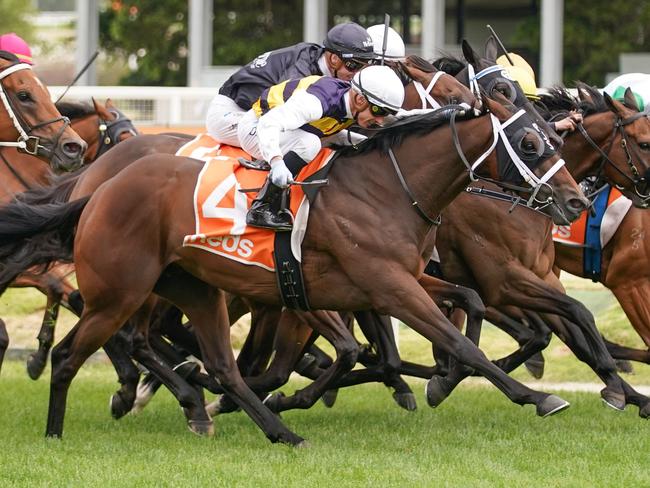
(619, 125)
(26, 142)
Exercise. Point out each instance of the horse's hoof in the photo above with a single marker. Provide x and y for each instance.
(644, 411)
(223, 404)
(35, 366)
(436, 390)
(612, 399)
(329, 398)
(201, 427)
(624, 366)
(118, 407)
(405, 400)
(273, 401)
(291, 439)
(535, 365)
(551, 405)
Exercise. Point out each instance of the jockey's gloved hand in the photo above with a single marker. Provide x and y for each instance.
(280, 174)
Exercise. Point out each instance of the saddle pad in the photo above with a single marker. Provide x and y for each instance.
(220, 208)
(614, 212)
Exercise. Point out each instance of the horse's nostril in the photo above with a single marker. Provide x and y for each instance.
(577, 205)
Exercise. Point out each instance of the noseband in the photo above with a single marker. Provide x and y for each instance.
(26, 142)
(110, 131)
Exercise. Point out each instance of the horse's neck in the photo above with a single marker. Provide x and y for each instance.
(87, 127)
(368, 184)
(581, 158)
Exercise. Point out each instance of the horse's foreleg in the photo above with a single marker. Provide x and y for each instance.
(409, 302)
(625, 353)
(4, 341)
(332, 328)
(37, 360)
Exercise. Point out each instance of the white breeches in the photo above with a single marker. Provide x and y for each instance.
(223, 118)
(304, 144)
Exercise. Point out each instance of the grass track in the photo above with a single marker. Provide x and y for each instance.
(476, 438)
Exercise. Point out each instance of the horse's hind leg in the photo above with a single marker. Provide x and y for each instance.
(205, 306)
(128, 374)
(94, 328)
(4, 341)
(624, 353)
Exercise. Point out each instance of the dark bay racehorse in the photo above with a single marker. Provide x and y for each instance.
(342, 248)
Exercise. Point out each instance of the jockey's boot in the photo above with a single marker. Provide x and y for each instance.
(265, 210)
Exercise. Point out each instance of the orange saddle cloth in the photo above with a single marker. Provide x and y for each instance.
(575, 234)
(220, 208)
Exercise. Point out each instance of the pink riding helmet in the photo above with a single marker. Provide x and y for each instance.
(15, 44)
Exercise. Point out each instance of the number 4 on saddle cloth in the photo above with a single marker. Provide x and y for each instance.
(220, 213)
(593, 231)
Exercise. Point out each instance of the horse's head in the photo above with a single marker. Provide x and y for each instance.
(483, 72)
(631, 144)
(526, 156)
(29, 117)
(114, 127)
(431, 88)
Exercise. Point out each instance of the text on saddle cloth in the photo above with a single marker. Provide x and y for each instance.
(220, 207)
(607, 219)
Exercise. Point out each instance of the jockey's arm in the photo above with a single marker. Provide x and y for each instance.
(300, 109)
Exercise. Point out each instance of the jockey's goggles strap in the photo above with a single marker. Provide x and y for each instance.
(425, 93)
(5, 101)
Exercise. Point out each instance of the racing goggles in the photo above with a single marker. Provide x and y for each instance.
(352, 65)
(379, 111)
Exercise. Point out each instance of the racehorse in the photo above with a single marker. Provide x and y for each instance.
(343, 246)
(29, 117)
(101, 127)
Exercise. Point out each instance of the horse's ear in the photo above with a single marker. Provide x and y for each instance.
(109, 103)
(613, 105)
(95, 104)
(630, 100)
(491, 49)
(470, 55)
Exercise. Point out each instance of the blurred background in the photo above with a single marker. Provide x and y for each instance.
(194, 45)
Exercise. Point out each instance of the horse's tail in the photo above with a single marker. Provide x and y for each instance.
(36, 235)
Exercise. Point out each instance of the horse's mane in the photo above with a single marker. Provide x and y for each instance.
(558, 99)
(394, 136)
(75, 110)
(450, 64)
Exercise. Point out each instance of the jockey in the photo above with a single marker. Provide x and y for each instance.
(523, 73)
(286, 124)
(395, 49)
(346, 49)
(16, 45)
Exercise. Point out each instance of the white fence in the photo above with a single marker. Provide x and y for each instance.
(149, 105)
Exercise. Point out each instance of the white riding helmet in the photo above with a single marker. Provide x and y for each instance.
(381, 86)
(395, 49)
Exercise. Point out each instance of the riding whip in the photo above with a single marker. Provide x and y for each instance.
(505, 51)
(385, 43)
(81, 72)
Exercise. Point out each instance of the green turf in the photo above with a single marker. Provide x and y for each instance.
(476, 438)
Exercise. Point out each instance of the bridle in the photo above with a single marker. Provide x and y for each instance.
(498, 132)
(636, 179)
(110, 131)
(26, 142)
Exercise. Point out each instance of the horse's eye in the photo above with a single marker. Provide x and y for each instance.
(528, 146)
(23, 96)
(645, 146)
(453, 100)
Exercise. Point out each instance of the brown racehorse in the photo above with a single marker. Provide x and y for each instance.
(101, 127)
(343, 246)
(28, 116)
(443, 88)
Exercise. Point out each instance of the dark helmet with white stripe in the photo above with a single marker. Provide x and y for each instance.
(349, 40)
